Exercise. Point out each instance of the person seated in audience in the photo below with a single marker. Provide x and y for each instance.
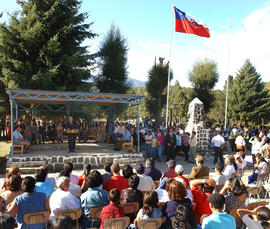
(177, 195)
(171, 172)
(116, 181)
(132, 194)
(146, 182)
(229, 169)
(41, 185)
(179, 170)
(200, 171)
(14, 170)
(73, 188)
(219, 177)
(218, 219)
(126, 138)
(83, 134)
(13, 188)
(260, 168)
(61, 198)
(185, 218)
(151, 170)
(189, 193)
(244, 162)
(74, 179)
(29, 201)
(108, 173)
(113, 210)
(201, 206)
(7, 222)
(95, 196)
(236, 198)
(162, 192)
(50, 180)
(3, 205)
(150, 209)
(265, 149)
(127, 171)
(262, 215)
(63, 222)
(86, 171)
(19, 139)
(239, 162)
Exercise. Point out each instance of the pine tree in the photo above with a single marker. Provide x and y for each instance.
(248, 99)
(156, 87)
(113, 62)
(41, 47)
(204, 77)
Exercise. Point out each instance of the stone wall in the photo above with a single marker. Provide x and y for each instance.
(203, 136)
(56, 163)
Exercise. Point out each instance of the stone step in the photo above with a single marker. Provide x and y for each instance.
(30, 164)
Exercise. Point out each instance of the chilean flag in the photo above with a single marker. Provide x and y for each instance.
(185, 23)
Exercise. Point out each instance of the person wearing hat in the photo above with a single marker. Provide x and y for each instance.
(218, 219)
(179, 174)
(170, 144)
(146, 183)
(171, 173)
(200, 171)
(218, 142)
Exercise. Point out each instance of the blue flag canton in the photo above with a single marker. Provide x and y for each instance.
(182, 15)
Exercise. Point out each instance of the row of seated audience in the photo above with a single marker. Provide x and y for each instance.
(180, 201)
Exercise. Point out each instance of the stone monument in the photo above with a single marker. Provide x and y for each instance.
(196, 122)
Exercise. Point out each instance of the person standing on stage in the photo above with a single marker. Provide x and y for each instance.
(71, 136)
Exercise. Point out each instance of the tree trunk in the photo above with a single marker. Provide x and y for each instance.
(158, 111)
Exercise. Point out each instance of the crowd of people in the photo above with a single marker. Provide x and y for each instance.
(182, 201)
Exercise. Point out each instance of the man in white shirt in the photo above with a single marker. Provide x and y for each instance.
(263, 216)
(218, 142)
(240, 142)
(146, 182)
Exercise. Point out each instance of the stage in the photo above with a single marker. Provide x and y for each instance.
(55, 155)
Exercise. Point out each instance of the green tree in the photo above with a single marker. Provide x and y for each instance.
(41, 46)
(204, 77)
(179, 102)
(113, 63)
(156, 87)
(248, 100)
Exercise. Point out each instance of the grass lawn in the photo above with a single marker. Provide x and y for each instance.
(4, 148)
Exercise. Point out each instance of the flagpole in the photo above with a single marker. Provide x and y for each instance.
(228, 73)
(169, 72)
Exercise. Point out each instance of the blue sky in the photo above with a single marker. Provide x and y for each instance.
(146, 24)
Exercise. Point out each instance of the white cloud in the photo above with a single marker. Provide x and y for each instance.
(250, 41)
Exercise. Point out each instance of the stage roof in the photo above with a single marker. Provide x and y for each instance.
(25, 96)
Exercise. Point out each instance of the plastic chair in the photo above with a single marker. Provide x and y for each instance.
(74, 214)
(36, 218)
(117, 223)
(149, 223)
(130, 208)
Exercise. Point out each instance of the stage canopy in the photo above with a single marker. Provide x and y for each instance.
(43, 101)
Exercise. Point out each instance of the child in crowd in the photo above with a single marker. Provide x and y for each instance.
(113, 210)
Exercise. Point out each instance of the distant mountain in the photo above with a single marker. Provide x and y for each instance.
(137, 83)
